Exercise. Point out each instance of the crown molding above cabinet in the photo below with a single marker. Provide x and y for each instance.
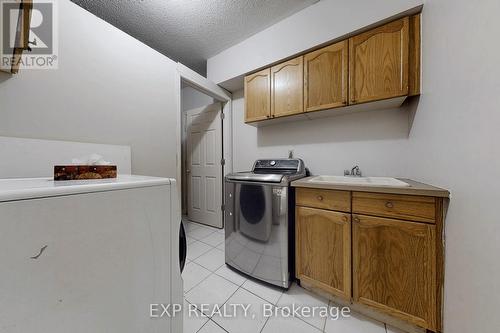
(376, 69)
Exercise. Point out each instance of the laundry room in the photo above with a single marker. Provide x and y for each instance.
(248, 166)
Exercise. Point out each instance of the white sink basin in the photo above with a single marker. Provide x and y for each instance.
(364, 181)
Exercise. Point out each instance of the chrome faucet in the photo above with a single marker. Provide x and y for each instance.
(355, 172)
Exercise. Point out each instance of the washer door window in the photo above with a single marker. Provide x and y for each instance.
(255, 210)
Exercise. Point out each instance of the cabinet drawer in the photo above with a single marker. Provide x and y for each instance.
(406, 207)
(325, 199)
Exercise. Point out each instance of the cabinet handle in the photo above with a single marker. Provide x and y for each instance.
(356, 219)
(320, 198)
(345, 219)
(389, 204)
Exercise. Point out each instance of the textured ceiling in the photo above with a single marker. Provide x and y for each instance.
(191, 31)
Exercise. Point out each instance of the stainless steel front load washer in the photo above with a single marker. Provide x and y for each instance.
(260, 220)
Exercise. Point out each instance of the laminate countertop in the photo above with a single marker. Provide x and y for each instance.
(33, 188)
(415, 188)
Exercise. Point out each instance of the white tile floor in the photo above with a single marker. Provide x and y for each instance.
(207, 280)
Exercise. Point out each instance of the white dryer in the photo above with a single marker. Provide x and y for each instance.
(89, 256)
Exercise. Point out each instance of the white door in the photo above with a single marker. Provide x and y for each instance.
(204, 165)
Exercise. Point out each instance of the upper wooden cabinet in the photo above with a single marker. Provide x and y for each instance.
(275, 92)
(378, 63)
(326, 77)
(394, 268)
(287, 88)
(323, 250)
(414, 56)
(258, 96)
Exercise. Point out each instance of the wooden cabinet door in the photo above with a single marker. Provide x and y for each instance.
(258, 96)
(323, 250)
(287, 88)
(394, 268)
(378, 63)
(326, 77)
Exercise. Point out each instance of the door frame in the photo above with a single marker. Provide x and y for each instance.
(202, 84)
(186, 154)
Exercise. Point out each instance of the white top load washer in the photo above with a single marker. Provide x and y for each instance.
(89, 256)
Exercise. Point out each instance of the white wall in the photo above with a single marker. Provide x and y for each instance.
(454, 143)
(22, 158)
(448, 138)
(193, 99)
(374, 140)
(317, 24)
(109, 88)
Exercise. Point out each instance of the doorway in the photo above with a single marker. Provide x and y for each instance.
(202, 157)
(210, 99)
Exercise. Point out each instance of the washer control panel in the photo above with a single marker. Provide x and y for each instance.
(289, 164)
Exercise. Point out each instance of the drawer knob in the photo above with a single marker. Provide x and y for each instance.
(389, 204)
(320, 197)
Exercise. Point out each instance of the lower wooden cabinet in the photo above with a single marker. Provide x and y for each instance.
(394, 268)
(323, 250)
(383, 254)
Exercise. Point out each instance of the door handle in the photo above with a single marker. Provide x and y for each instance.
(188, 171)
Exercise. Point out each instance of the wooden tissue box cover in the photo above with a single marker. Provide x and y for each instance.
(80, 172)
